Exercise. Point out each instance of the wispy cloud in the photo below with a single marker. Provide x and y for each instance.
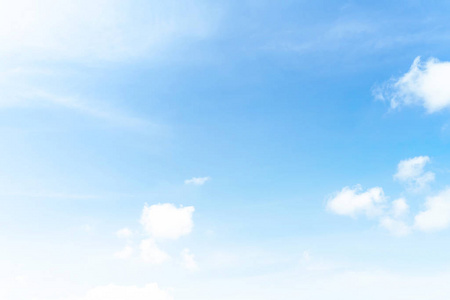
(197, 180)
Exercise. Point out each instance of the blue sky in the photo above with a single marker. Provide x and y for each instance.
(224, 150)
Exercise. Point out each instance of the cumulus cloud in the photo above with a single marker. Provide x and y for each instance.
(115, 292)
(150, 252)
(411, 171)
(372, 203)
(353, 201)
(394, 226)
(436, 216)
(167, 221)
(124, 233)
(426, 84)
(399, 208)
(188, 260)
(125, 253)
(197, 180)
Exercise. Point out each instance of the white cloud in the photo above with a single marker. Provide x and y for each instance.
(399, 207)
(150, 252)
(372, 203)
(124, 233)
(352, 201)
(115, 292)
(412, 172)
(167, 221)
(395, 227)
(426, 84)
(102, 29)
(197, 180)
(411, 168)
(125, 253)
(188, 260)
(436, 216)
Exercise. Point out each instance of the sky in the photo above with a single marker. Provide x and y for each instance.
(198, 150)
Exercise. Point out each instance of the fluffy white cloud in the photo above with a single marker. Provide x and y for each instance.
(412, 172)
(399, 208)
(373, 203)
(411, 168)
(197, 180)
(150, 252)
(426, 84)
(394, 226)
(115, 292)
(125, 253)
(436, 216)
(124, 233)
(167, 221)
(352, 201)
(188, 260)
(102, 29)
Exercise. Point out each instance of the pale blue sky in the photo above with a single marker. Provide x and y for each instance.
(270, 108)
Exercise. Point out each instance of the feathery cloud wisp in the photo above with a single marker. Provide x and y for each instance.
(197, 180)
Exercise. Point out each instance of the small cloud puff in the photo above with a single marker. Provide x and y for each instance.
(399, 208)
(167, 221)
(352, 201)
(436, 216)
(392, 216)
(394, 226)
(197, 180)
(411, 171)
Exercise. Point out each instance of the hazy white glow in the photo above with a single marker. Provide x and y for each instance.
(124, 233)
(167, 221)
(150, 252)
(125, 253)
(188, 260)
(101, 29)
